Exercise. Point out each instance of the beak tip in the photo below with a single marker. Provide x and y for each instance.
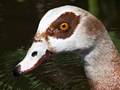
(16, 71)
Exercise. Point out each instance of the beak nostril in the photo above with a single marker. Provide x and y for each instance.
(34, 53)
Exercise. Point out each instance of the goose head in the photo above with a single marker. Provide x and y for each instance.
(62, 29)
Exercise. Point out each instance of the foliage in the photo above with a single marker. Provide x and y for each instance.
(115, 39)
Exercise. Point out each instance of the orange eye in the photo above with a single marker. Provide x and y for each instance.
(63, 26)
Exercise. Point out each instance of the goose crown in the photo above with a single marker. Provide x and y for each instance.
(82, 33)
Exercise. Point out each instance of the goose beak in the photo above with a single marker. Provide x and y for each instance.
(38, 53)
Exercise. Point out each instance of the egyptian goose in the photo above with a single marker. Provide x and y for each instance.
(72, 29)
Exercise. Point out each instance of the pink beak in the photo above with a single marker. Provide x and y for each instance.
(38, 53)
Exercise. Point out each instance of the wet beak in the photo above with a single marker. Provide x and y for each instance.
(38, 53)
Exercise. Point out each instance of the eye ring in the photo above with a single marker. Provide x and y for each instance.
(64, 26)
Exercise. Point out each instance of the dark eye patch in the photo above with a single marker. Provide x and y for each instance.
(69, 17)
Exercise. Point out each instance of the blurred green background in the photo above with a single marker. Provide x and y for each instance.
(18, 23)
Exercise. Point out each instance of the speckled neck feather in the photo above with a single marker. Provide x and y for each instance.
(102, 65)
